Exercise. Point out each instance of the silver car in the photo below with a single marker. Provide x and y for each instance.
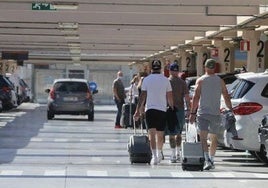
(70, 96)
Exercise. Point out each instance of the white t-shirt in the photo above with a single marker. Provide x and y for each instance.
(157, 86)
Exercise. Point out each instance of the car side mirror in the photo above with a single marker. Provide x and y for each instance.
(47, 90)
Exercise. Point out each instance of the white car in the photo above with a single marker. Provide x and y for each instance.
(249, 97)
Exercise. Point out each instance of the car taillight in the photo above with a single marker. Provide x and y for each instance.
(6, 89)
(52, 94)
(247, 108)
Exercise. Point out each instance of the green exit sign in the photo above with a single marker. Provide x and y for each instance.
(42, 6)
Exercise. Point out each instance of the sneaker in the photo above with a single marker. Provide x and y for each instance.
(237, 138)
(173, 159)
(154, 161)
(118, 127)
(162, 155)
(159, 159)
(212, 165)
(208, 165)
(178, 158)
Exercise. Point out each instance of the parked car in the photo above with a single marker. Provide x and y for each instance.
(7, 94)
(263, 133)
(20, 87)
(190, 81)
(228, 79)
(249, 97)
(70, 96)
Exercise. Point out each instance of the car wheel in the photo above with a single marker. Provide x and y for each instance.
(262, 154)
(50, 115)
(90, 116)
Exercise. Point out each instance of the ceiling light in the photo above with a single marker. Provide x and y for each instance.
(68, 25)
(69, 30)
(75, 51)
(76, 58)
(65, 6)
(71, 37)
(74, 44)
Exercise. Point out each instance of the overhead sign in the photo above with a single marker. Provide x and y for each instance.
(214, 52)
(244, 45)
(42, 6)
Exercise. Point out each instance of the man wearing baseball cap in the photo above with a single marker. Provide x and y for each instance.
(206, 109)
(180, 94)
(156, 91)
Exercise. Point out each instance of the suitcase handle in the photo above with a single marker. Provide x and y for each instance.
(134, 123)
(186, 131)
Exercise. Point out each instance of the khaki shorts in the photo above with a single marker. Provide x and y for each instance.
(210, 123)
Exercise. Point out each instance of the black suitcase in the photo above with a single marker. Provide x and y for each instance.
(139, 148)
(192, 154)
(128, 111)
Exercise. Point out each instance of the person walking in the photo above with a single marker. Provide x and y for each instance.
(119, 96)
(180, 98)
(206, 109)
(156, 91)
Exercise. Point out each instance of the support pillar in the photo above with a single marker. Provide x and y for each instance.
(202, 55)
(226, 56)
(256, 53)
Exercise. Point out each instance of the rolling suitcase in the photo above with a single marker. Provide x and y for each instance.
(128, 111)
(192, 154)
(139, 147)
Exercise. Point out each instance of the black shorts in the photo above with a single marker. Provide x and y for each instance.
(156, 119)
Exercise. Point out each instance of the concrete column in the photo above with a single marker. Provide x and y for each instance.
(187, 62)
(226, 56)
(256, 54)
(264, 38)
(202, 56)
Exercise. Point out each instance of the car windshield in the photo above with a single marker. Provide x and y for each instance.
(71, 87)
(241, 88)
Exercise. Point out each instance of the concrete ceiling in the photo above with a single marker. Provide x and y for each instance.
(114, 31)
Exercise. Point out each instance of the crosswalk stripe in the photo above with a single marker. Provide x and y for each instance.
(86, 140)
(55, 173)
(11, 172)
(181, 174)
(36, 139)
(60, 140)
(222, 174)
(97, 173)
(139, 174)
(111, 140)
(258, 175)
(96, 159)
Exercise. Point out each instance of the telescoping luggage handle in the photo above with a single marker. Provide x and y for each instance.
(135, 128)
(187, 121)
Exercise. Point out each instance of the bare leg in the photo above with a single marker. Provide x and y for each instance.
(178, 140)
(172, 142)
(152, 138)
(203, 139)
(213, 145)
(160, 139)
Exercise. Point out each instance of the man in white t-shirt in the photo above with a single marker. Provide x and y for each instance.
(156, 91)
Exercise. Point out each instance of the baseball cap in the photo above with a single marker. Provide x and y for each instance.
(174, 67)
(210, 63)
(156, 65)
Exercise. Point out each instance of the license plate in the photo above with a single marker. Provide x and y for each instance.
(70, 99)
